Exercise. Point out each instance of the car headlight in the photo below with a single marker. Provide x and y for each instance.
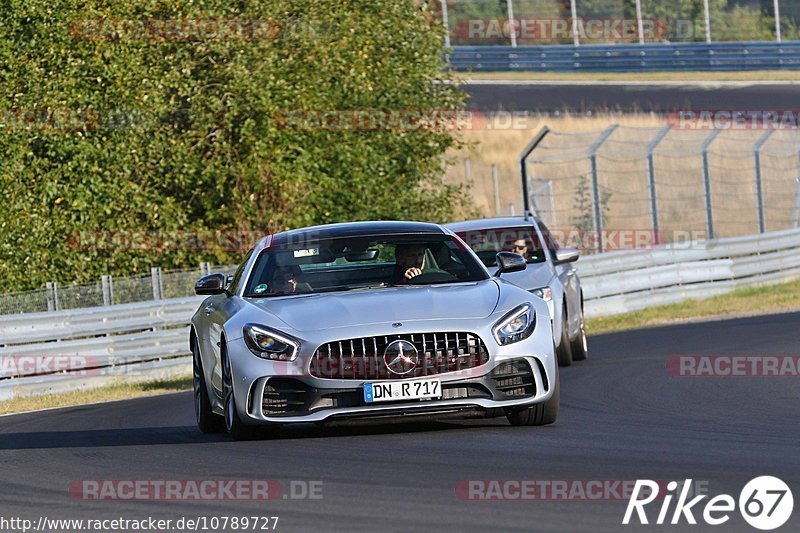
(516, 325)
(270, 344)
(545, 293)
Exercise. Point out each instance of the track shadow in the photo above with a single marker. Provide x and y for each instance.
(105, 437)
(191, 435)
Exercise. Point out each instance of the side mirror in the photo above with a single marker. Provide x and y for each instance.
(509, 262)
(567, 255)
(211, 284)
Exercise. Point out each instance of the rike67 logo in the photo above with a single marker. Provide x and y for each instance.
(765, 503)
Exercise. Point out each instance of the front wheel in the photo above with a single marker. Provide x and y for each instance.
(207, 420)
(564, 349)
(236, 427)
(580, 346)
(540, 414)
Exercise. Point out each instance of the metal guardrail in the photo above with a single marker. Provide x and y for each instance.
(629, 57)
(618, 282)
(42, 353)
(149, 340)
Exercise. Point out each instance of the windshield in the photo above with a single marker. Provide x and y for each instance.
(521, 240)
(364, 262)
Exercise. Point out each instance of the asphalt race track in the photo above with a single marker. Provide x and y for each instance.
(623, 417)
(648, 97)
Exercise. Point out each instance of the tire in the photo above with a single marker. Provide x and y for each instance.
(236, 427)
(541, 414)
(580, 346)
(564, 349)
(207, 420)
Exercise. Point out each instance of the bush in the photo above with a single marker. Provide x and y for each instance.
(170, 135)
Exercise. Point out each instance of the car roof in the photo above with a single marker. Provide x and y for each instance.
(491, 223)
(352, 229)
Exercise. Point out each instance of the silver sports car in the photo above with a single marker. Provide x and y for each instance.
(550, 273)
(369, 320)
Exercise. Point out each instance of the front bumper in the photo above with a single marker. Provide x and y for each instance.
(282, 392)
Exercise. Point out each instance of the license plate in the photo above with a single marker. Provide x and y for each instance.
(387, 391)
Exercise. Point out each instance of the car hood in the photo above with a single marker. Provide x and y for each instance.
(392, 304)
(536, 275)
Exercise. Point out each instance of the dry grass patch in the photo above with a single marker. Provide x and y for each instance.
(121, 391)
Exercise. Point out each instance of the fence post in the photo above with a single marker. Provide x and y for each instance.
(446, 24)
(512, 210)
(707, 20)
(651, 179)
(496, 191)
(707, 184)
(158, 288)
(597, 210)
(778, 20)
(796, 214)
(759, 188)
(639, 22)
(574, 11)
(108, 290)
(468, 171)
(52, 296)
(512, 27)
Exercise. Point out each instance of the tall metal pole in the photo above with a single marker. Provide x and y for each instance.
(759, 189)
(446, 24)
(496, 191)
(708, 21)
(574, 8)
(597, 209)
(651, 179)
(512, 27)
(639, 22)
(523, 167)
(778, 20)
(707, 184)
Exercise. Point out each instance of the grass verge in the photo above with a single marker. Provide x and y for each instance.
(121, 391)
(763, 75)
(745, 301)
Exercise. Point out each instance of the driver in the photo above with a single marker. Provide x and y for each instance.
(284, 280)
(410, 262)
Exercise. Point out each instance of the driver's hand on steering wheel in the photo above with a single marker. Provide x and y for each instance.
(412, 272)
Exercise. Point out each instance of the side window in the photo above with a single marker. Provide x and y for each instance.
(552, 245)
(237, 276)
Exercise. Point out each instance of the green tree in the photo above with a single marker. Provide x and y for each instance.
(180, 135)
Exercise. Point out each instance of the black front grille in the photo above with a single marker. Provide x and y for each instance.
(363, 358)
(284, 397)
(513, 380)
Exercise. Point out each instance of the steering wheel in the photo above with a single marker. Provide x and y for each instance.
(433, 275)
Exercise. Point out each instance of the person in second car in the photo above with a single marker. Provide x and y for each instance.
(521, 247)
